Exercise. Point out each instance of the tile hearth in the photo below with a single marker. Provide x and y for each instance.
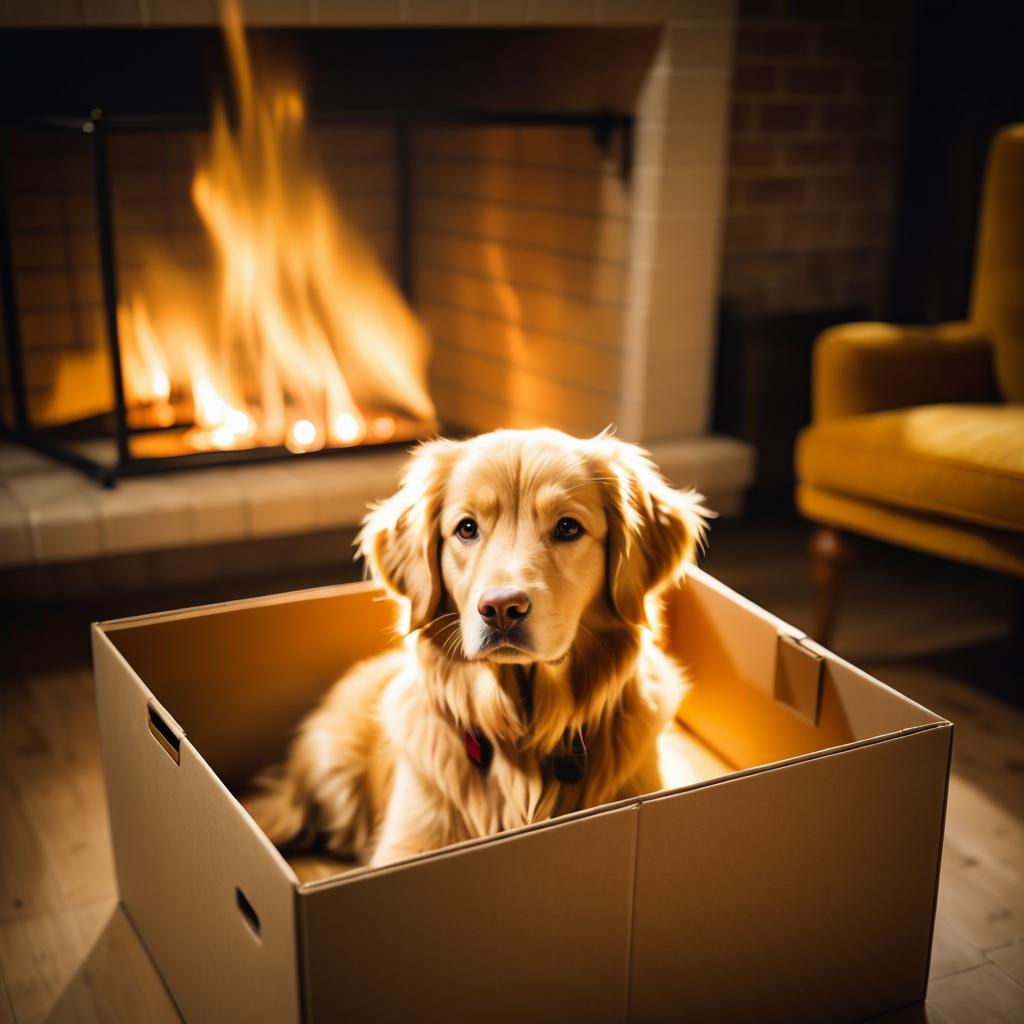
(50, 514)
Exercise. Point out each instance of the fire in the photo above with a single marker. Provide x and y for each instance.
(304, 342)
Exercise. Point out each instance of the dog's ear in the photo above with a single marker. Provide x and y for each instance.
(652, 528)
(401, 537)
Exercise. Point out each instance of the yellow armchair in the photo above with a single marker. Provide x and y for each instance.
(918, 432)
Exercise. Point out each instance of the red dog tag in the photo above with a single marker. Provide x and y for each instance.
(479, 750)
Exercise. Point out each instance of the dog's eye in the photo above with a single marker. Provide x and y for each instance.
(568, 529)
(467, 530)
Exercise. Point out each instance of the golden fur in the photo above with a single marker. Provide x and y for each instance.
(379, 770)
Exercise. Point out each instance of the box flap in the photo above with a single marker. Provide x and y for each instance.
(818, 878)
(750, 672)
(799, 668)
(547, 911)
(211, 898)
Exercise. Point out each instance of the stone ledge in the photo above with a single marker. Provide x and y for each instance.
(50, 514)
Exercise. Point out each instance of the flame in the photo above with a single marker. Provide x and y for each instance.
(297, 296)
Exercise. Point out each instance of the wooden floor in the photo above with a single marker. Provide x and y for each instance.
(937, 632)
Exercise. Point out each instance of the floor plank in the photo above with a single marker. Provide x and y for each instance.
(116, 982)
(1010, 960)
(980, 994)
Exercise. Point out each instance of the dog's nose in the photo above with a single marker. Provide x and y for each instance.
(503, 607)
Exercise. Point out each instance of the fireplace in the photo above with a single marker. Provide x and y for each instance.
(543, 189)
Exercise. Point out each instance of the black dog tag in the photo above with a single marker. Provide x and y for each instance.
(571, 768)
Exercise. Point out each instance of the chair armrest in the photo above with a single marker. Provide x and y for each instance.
(870, 367)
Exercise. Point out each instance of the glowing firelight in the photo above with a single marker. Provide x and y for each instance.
(303, 437)
(346, 428)
(299, 331)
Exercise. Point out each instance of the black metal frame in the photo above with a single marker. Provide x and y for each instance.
(603, 125)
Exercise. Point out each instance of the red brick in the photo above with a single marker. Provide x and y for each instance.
(817, 10)
(847, 261)
(852, 189)
(741, 117)
(752, 10)
(852, 117)
(869, 227)
(785, 117)
(751, 153)
(774, 192)
(816, 154)
(772, 42)
(875, 11)
(746, 229)
(755, 79)
(853, 44)
(818, 228)
(876, 153)
(879, 81)
(760, 266)
(816, 81)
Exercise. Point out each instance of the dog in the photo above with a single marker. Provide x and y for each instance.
(529, 683)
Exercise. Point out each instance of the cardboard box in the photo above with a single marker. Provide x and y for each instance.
(798, 887)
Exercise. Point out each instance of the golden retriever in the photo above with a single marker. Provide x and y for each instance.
(529, 684)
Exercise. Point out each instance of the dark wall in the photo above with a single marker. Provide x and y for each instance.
(968, 81)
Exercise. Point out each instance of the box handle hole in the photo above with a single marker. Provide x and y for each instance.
(165, 735)
(252, 919)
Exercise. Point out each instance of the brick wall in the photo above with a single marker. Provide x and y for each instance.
(814, 152)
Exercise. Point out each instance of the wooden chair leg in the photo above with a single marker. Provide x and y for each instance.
(831, 552)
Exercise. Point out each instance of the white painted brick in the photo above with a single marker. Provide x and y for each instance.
(15, 535)
(52, 13)
(458, 335)
(64, 521)
(664, 193)
(216, 508)
(501, 12)
(140, 515)
(676, 287)
(684, 97)
(675, 239)
(180, 12)
(566, 12)
(356, 12)
(524, 307)
(571, 233)
(275, 503)
(276, 12)
(576, 276)
(660, 145)
(436, 12)
(111, 12)
(688, 46)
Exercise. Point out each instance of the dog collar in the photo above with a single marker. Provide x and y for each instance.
(571, 767)
(568, 768)
(479, 750)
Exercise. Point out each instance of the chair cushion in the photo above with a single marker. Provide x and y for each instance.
(961, 461)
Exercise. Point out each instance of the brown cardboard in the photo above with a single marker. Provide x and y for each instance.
(801, 884)
(523, 927)
(798, 894)
(182, 846)
(799, 676)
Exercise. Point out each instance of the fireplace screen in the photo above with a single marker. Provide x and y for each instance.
(238, 285)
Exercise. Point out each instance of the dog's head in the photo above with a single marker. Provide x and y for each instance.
(519, 538)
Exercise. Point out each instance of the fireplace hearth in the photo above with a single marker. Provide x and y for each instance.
(544, 193)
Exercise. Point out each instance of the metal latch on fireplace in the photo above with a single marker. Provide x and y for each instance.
(799, 675)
